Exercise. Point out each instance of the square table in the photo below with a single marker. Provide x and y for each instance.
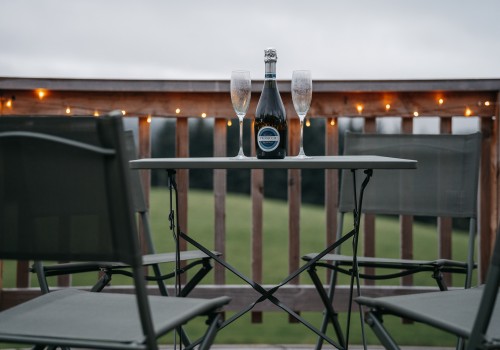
(367, 163)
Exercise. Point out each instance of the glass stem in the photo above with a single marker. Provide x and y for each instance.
(240, 152)
(301, 151)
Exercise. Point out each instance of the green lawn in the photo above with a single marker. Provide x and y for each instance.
(275, 328)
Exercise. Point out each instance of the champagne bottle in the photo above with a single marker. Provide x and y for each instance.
(271, 127)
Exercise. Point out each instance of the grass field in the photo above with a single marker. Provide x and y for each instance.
(275, 328)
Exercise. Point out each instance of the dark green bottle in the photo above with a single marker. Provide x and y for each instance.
(271, 127)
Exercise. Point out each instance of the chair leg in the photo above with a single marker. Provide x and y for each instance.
(40, 275)
(193, 282)
(102, 282)
(329, 313)
(438, 276)
(214, 323)
(375, 322)
(164, 292)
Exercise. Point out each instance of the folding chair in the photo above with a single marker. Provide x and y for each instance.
(471, 314)
(65, 196)
(151, 258)
(444, 185)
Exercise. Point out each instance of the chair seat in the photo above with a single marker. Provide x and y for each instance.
(388, 262)
(62, 316)
(458, 317)
(149, 259)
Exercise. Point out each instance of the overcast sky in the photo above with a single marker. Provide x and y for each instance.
(206, 39)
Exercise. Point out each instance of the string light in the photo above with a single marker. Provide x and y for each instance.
(308, 122)
(229, 122)
(359, 108)
(149, 119)
(41, 93)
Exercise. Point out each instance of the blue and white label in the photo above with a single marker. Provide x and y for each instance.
(268, 139)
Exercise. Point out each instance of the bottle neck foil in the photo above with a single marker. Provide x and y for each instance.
(270, 70)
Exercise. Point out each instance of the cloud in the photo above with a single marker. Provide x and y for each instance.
(191, 39)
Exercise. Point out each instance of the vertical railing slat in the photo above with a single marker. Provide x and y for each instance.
(294, 202)
(220, 189)
(257, 195)
(486, 232)
(445, 226)
(406, 221)
(495, 173)
(22, 274)
(144, 146)
(331, 183)
(369, 219)
(182, 150)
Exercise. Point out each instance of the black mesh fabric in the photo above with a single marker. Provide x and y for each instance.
(62, 202)
(444, 184)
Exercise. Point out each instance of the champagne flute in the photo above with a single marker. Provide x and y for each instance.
(241, 88)
(301, 96)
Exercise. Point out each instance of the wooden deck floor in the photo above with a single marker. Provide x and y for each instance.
(291, 347)
(305, 347)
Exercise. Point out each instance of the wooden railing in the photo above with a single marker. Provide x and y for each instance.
(369, 100)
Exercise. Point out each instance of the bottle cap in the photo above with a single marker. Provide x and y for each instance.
(270, 55)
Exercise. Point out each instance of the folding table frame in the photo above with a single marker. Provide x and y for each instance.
(366, 163)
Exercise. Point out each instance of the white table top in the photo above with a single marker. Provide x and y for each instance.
(316, 162)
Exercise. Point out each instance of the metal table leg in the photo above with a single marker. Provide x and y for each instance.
(268, 294)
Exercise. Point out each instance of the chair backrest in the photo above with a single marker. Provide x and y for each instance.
(445, 182)
(137, 190)
(488, 307)
(64, 191)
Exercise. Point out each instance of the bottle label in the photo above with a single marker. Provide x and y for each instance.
(268, 138)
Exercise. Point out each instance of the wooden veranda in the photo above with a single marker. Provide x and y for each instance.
(370, 100)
